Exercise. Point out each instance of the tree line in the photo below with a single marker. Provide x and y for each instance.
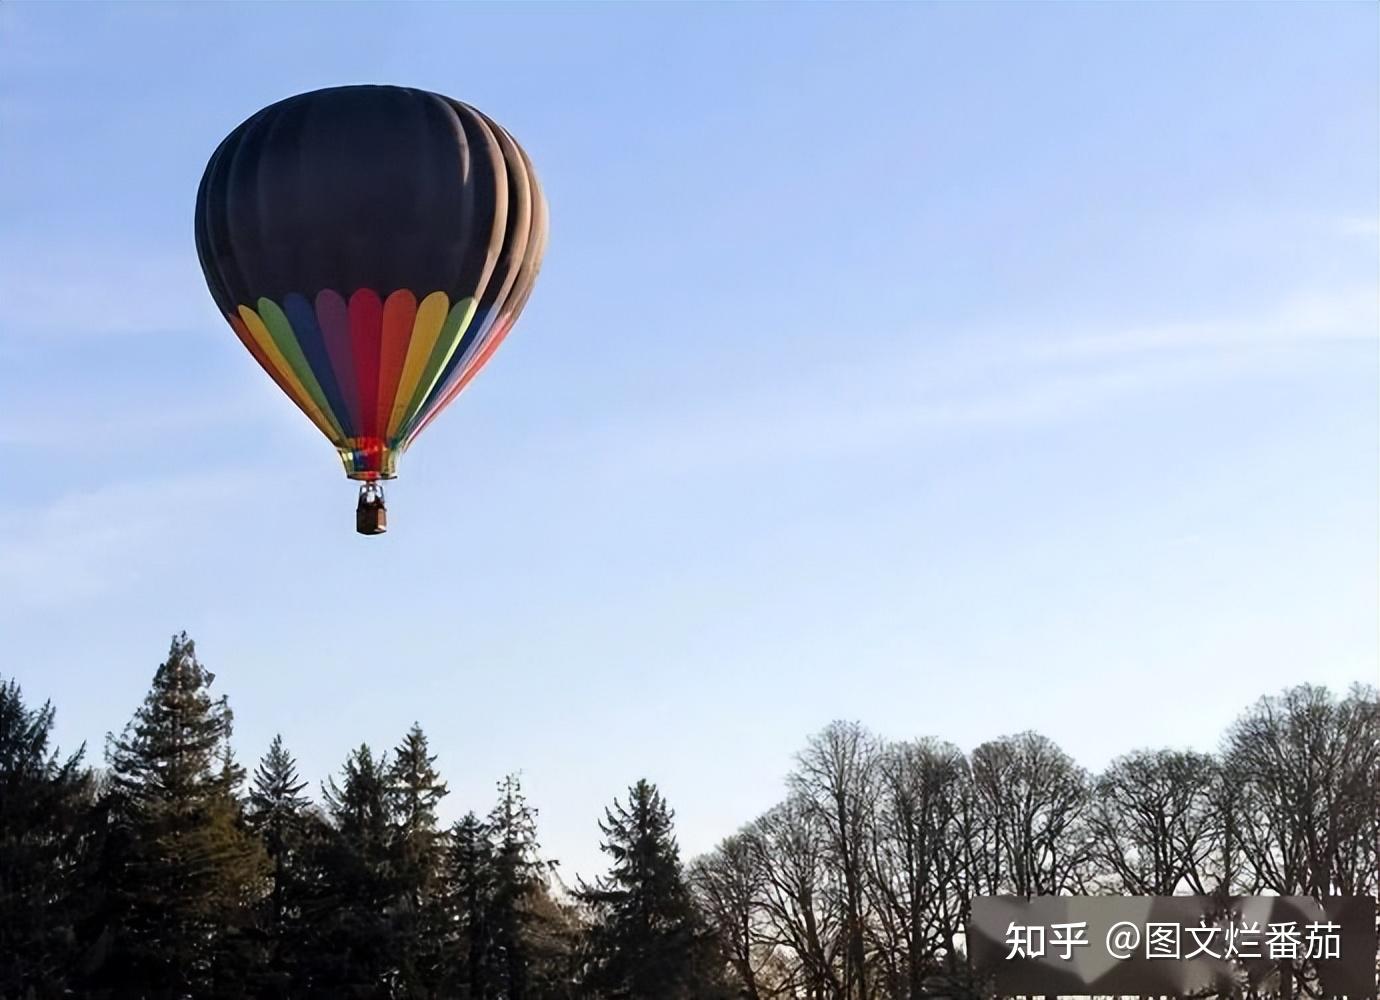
(173, 871)
(858, 886)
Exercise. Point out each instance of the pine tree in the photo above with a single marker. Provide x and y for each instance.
(43, 800)
(358, 806)
(277, 810)
(518, 878)
(469, 895)
(353, 946)
(185, 873)
(498, 906)
(414, 792)
(415, 789)
(283, 818)
(647, 941)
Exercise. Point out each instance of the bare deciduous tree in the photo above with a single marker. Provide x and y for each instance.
(802, 910)
(1153, 822)
(728, 884)
(1031, 805)
(913, 877)
(1308, 768)
(836, 777)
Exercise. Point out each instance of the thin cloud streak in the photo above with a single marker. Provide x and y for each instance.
(99, 291)
(89, 425)
(998, 382)
(92, 541)
(1360, 225)
(1350, 315)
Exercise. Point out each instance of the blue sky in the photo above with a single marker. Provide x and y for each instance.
(959, 369)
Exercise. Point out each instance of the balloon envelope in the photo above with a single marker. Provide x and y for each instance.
(371, 247)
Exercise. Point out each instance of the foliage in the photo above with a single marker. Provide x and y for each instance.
(165, 877)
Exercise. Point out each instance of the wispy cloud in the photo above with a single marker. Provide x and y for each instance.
(1365, 226)
(1312, 317)
(992, 381)
(99, 290)
(92, 541)
(88, 423)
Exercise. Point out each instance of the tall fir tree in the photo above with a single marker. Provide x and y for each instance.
(358, 805)
(469, 891)
(519, 878)
(646, 940)
(284, 819)
(44, 799)
(354, 950)
(507, 941)
(185, 873)
(277, 810)
(415, 790)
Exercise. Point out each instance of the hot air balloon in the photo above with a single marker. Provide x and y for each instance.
(371, 247)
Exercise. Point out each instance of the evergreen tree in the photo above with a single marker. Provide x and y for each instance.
(647, 941)
(185, 874)
(353, 947)
(518, 880)
(469, 896)
(506, 943)
(277, 810)
(43, 798)
(415, 790)
(282, 817)
(358, 806)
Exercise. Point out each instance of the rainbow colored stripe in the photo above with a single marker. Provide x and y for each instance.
(369, 372)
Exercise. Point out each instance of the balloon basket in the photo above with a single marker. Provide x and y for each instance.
(371, 515)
